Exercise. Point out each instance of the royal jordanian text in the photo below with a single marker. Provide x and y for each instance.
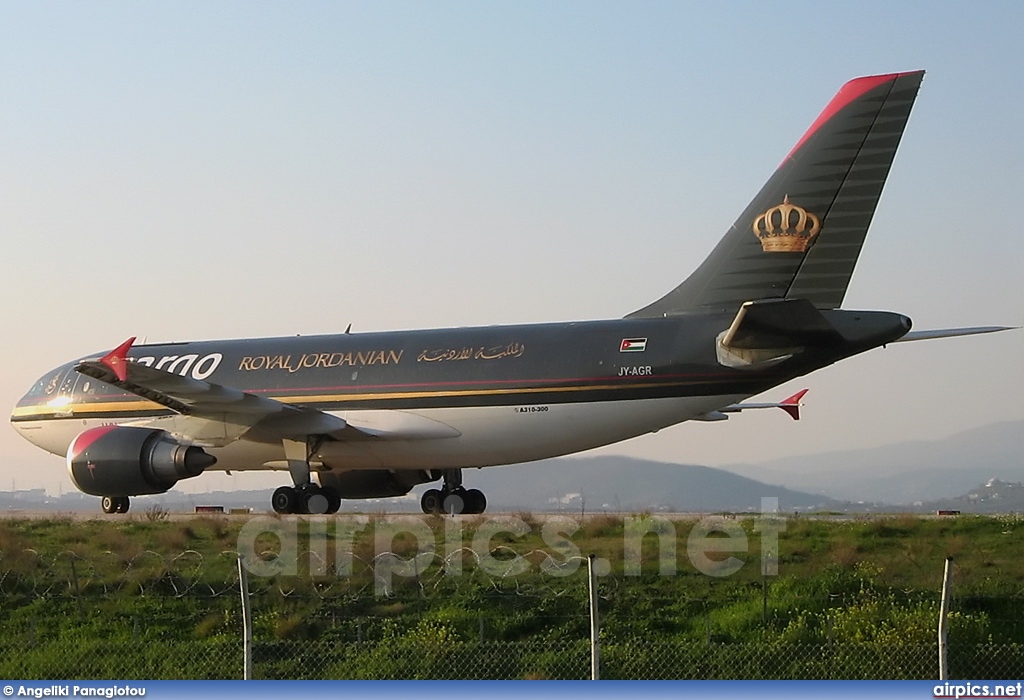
(326, 360)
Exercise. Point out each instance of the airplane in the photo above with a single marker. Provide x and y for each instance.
(372, 415)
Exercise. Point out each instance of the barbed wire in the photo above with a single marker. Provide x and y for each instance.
(188, 573)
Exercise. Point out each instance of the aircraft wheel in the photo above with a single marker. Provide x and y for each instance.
(314, 500)
(284, 500)
(333, 499)
(108, 504)
(454, 502)
(431, 501)
(476, 501)
(123, 504)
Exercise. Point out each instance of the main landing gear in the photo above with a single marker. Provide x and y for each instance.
(305, 496)
(115, 504)
(453, 498)
(308, 498)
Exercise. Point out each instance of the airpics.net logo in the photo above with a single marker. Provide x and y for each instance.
(964, 691)
(406, 546)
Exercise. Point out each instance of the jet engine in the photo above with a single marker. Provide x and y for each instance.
(127, 461)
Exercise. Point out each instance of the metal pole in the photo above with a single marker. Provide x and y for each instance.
(243, 584)
(947, 592)
(74, 581)
(595, 649)
(764, 599)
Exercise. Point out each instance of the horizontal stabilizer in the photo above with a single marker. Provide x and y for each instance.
(790, 405)
(952, 333)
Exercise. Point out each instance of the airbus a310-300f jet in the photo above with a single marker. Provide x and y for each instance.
(372, 415)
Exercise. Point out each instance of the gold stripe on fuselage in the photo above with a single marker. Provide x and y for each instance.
(142, 405)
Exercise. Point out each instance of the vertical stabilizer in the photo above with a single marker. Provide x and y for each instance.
(801, 235)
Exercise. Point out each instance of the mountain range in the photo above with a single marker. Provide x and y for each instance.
(904, 473)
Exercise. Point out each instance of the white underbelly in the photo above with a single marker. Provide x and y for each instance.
(494, 435)
(463, 437)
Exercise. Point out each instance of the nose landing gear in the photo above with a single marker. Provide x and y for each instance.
(115, 504)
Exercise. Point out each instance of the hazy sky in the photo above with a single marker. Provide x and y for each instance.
(197, 170)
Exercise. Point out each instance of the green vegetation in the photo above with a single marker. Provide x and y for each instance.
(158, 597)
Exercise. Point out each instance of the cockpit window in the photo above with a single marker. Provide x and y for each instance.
(46, 386)
(67, 386)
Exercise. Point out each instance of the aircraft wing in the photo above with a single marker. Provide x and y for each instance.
(211, 414)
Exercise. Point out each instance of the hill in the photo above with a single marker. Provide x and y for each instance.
(614, 483)
(903, 473)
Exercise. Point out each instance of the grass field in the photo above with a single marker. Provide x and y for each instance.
(518, 578)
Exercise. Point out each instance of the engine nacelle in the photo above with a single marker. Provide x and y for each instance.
(126, 461)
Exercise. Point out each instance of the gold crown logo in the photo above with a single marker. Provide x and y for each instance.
(786, 228)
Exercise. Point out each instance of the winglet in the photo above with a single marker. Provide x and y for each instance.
(792, 404)
(117, 361)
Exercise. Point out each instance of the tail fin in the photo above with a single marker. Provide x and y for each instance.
(801, 235)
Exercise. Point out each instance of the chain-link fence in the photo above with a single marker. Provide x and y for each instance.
(89, 658)
(147, 615)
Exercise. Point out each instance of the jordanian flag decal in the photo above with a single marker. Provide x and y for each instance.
(633, 345)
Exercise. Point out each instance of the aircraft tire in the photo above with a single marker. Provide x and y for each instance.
(454, 502)
(284, 500)
(123, 504)
(314, 500)
(333, 499)
(431, 501)
(108, 504)
(476, 501)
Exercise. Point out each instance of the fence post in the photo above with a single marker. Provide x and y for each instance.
(947, 592)
(243, 585)
(764, 599)
(595, 648)
(74, 582)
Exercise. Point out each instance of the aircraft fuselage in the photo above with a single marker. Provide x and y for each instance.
(465, 397)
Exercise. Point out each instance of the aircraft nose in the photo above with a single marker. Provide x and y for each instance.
(44, 399)
(22, 409)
